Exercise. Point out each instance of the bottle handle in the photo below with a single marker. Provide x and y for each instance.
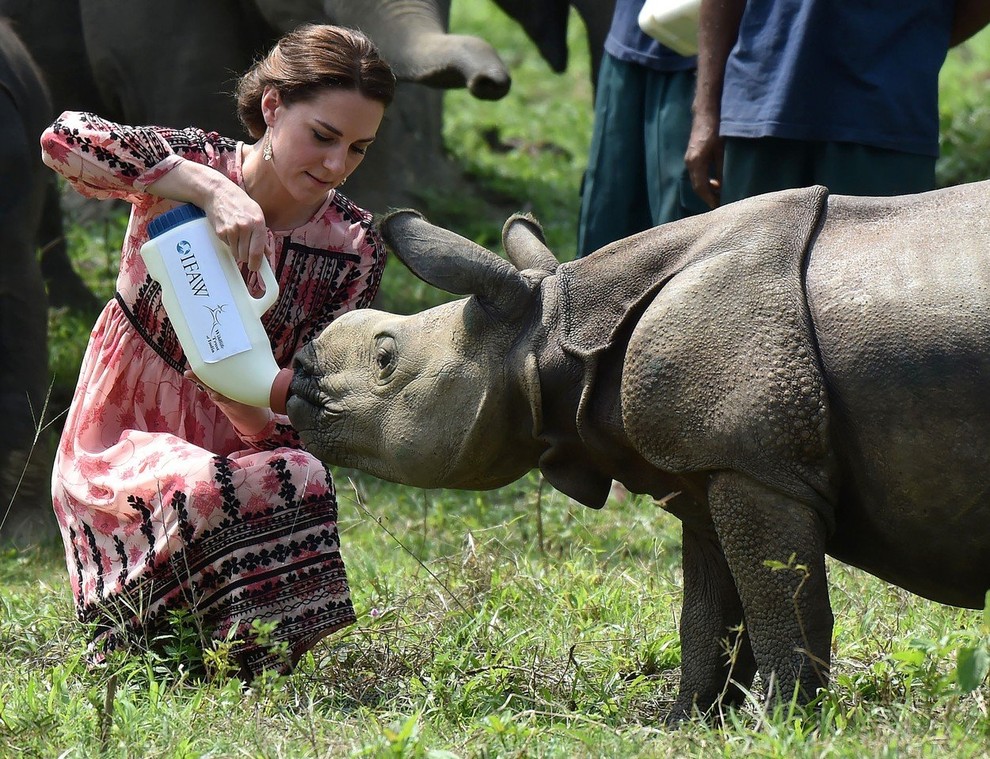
(270, 295)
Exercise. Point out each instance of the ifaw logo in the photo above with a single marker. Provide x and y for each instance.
(183, 247)
(214, 339)
(215, 313)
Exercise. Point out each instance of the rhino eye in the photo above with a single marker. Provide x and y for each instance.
(385, 357)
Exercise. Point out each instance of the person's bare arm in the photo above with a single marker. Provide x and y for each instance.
(971, 16)
(237, 219)
(717, 32)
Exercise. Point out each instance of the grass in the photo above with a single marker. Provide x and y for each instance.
(509, 623)
(477, 639)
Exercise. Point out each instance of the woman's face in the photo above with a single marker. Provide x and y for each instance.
(317, 143)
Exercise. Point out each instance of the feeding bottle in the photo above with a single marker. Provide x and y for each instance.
(217, 321)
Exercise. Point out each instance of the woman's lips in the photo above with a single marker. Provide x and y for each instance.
(319, 181)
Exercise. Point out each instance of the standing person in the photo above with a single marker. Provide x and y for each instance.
(171, 497)
(635, 177)
(799, 92)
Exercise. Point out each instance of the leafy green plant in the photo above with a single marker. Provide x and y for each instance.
(964, 113)
(973, 659)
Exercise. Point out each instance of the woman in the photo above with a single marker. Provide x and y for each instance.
(171, 498)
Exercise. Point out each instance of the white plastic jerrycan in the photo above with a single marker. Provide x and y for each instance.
(217, 321)
(673, 23)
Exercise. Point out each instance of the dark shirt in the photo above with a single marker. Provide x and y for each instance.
(863, 72)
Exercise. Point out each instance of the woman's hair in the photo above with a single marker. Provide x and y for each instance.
(309, 59)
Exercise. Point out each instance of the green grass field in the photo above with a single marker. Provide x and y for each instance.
(512, 623)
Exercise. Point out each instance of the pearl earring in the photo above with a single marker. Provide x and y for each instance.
(267, 152)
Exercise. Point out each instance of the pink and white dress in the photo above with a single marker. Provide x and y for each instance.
(163, 505)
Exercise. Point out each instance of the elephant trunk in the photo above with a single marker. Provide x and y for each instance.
(450, 61)
(412, 36)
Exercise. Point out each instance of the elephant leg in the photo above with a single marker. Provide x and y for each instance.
(25, 469)
(64, 285)
(716, 657)
(23, 305)
(787, 609)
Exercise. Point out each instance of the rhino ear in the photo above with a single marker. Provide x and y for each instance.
(453, 263)
(522, 238)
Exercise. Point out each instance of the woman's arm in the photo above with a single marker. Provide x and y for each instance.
(101, 159)
(260, 428)
(236, 218)
(104, 160)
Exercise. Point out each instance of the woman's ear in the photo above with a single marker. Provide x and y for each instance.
(270, 101)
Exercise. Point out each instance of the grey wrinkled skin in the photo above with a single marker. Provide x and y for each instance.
(798, 374)
(176, 64)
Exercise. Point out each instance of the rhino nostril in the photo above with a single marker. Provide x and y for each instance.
(303, 363)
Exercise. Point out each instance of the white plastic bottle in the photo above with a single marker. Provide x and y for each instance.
(673, 23)
(217, 321)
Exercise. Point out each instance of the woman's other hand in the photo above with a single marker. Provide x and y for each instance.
(249, 420)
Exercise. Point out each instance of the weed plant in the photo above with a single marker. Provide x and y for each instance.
(964, 113)
(512, 623)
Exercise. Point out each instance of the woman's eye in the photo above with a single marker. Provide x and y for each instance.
(322, 137)
(359, 150)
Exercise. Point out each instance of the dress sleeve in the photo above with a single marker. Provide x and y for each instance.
(101, 159)
(278, 433)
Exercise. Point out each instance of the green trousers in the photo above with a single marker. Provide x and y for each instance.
(635, 177)
(755, 166)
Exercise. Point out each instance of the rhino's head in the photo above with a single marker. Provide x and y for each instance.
(445, 398)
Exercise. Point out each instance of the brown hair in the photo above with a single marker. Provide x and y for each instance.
(311, 58)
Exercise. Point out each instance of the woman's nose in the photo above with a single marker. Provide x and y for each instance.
(335, 159)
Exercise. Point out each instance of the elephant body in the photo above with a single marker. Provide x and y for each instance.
(185, 72)
(25, 110)
(793, 375)
(546, 24)
(176, 63)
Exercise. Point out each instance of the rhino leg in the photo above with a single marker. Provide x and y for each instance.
(787, 610)
(716, 662)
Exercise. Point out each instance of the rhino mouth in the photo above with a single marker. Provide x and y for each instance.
(309, 406)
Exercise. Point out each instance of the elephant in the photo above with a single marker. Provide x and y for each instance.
(55, 43)
(175, 63)
(25, 109)
(148, 78)
(546, 24)
(792, 375)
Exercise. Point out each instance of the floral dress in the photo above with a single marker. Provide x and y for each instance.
(163, 505)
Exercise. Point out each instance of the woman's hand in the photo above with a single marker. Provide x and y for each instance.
(239, 222)
(235, 217)
(249, 420)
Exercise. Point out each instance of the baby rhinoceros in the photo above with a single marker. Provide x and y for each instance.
(809, 374)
